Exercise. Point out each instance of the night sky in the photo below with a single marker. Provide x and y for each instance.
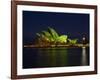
(72, 24)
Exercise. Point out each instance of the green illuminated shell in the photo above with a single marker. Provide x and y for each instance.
(74, 41)
(52, 36)
(62, 39)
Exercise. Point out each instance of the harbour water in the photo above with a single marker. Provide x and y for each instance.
(55, 57)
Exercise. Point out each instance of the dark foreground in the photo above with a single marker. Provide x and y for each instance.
(55, 57)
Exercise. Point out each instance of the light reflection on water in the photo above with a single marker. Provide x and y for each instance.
(84, 56)
(52, 57)
(55, 57)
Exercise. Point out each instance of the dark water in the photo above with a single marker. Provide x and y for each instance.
(55, 57)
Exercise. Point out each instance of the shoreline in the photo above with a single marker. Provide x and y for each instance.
(53, 46)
